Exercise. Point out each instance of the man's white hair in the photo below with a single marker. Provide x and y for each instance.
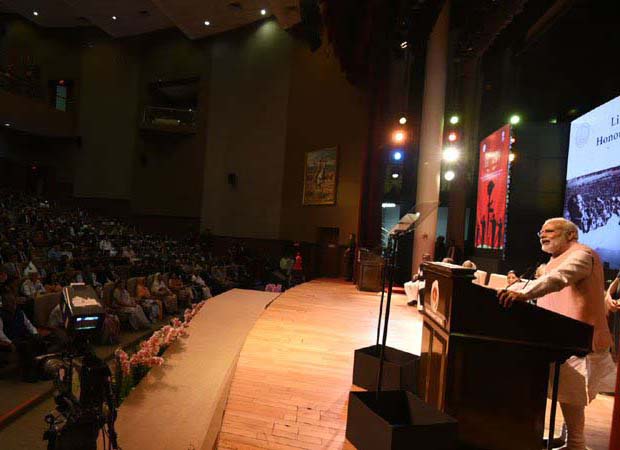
(567, 226)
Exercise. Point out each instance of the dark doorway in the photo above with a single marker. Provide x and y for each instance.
(329, 254)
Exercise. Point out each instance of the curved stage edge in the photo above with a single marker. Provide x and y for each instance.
(293, 377)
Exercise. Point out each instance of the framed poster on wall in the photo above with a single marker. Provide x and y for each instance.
(321, 177)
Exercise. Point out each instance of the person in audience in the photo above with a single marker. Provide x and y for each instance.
(146, 300)
(161, 292)
(122, 301)
(58, 333)
(18, 334)
(32, 286)
(30, 268)
(184, 295)
(200, 284)
(51, 283)
(573, 285)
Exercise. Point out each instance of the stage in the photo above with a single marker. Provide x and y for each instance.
(293, 377)
(280, 376)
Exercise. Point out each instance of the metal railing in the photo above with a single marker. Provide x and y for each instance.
(168, 117)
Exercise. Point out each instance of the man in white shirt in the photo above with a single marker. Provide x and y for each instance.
(33, 286)
(573, 285)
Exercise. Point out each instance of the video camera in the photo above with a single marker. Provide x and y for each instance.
(76, 422)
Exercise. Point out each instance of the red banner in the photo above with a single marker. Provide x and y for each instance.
(492, 189)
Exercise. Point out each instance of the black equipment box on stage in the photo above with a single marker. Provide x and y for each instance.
(400, 369)
(396, 420)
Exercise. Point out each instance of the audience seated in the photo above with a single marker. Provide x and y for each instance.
(122, 301)
(18, 334)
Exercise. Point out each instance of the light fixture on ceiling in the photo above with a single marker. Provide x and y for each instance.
(263, 12)
(7, 124)
(207, 23)
(113, 17)
(404, 44)
(35, 13)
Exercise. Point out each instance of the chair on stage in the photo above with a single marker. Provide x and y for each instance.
(481, 277)
(497, 281)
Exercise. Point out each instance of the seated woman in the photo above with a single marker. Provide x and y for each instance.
(122, 301)
(146, 300)
(185, 295)
(512, 277)
(161, 292)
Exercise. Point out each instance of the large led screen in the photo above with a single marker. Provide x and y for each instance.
(592, 199)
(492, 190)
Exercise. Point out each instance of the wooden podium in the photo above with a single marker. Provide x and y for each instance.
(488, 366)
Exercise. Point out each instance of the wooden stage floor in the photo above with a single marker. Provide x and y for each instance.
(293, 377)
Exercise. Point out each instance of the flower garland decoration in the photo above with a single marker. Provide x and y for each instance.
(148, 355)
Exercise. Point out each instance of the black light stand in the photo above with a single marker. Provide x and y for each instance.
(393, 417)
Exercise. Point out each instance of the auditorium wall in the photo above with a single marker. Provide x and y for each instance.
(324, 110)
(168, 168)
(246, 131)
(107, 120)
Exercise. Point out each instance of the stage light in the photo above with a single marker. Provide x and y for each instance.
(113, 17)
(515, 119)
(388, 205)
(397, 155)
(35, 13)
(395, 176)
(454, 119)
(398, 136)
(403, 44)
(207, 23)
(452, 137)
(263, 12)
(449, 175)
(511, 157)
(451, 154)
(402, 120)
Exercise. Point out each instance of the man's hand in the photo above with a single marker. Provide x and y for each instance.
(612, 305)
(507, 298)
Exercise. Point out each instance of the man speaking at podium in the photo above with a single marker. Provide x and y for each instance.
(573, 285)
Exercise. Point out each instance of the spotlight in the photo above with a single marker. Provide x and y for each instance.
(454, 119)
(515, 119)
(511, 157)
(388, 205)
(7, 124)
(395, 176)
(113, 17)
(35, 13)
(398, 136)
(403, 44)
(449, 175)
(402, 120)
(451, 154)
(207, 23)
(452, 136)
(263, 12)
(397, 155)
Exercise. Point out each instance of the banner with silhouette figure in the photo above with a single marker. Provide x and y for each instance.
(492, 190)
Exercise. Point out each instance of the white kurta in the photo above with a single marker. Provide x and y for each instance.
(581, 379)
